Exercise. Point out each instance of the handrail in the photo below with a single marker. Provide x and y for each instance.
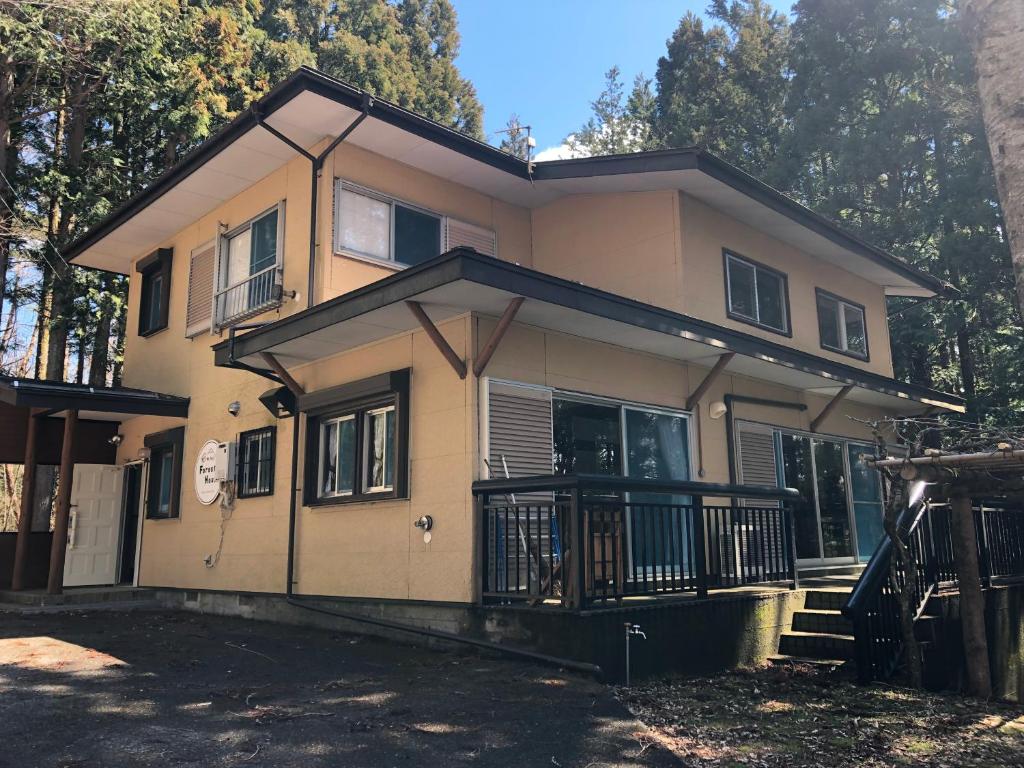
(248, 279)
(583, 482)
(877, 569)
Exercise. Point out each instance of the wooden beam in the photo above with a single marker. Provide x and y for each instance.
(497, 335)
(439, 341)
(705, 385)
(59, 547)
(827, 410)
(28, 487)
(282, 373)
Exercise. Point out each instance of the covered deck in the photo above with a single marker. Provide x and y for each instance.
(51, 422)
(581, 542)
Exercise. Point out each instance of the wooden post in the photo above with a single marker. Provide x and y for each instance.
(831, 406)
(28, 487)
(59, 547)
(972, 599)
(498, 334)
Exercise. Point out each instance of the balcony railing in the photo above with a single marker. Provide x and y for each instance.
(246, 298)
(586, 541)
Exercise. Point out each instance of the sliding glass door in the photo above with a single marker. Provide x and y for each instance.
(607, 438)
(817, 468)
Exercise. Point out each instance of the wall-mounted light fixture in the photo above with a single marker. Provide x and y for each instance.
(116, 440)
(717, 409)
(234, 407)
(145, 453)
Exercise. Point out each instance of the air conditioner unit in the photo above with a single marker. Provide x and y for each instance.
(225, 466)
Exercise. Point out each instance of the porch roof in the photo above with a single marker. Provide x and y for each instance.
(463, 281)
(97, 403)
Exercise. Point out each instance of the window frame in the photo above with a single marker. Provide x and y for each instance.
(356, 401)
(841, 304)
(341, 185)
(155, 265)
(174, 441)
(222, 263)
(787, 330)
(243, 439)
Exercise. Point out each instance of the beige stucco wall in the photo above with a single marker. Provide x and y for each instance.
(707, 231)
(665, 248)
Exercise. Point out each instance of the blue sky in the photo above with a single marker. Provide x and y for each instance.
(545, 59)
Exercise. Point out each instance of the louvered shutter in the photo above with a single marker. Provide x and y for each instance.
(519, 430)
(200, 290)
(460, 234)
(757, 546)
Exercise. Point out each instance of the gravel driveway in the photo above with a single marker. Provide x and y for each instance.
(175, 689)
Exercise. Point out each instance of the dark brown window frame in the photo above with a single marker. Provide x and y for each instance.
(357, 398)
(271, 461)
(788, 331)
(173, 440)
(158, 263)
(866, 355)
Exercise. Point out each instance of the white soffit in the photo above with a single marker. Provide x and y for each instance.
(309, 118)
(463, 296)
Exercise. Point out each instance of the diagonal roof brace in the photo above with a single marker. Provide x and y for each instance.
(497, 335)
(831, 406)
(456, 362)
(705, 385)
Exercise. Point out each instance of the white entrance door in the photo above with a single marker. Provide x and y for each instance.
(94, 528)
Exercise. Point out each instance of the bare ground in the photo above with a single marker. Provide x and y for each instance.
(172, 689)
(796, 717)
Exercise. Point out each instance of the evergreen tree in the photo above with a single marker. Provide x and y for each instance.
(620, 124)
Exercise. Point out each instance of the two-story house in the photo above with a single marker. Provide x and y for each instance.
(372, 314)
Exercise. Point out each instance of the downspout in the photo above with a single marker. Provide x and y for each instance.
(317, 163)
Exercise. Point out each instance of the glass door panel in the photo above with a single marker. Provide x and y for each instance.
(830, 476)
(657, 448)
(587, 438)
(798, 473)
(866, 492)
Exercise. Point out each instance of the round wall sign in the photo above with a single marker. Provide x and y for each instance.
(207, 484)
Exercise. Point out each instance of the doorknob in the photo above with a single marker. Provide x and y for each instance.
(72, 525)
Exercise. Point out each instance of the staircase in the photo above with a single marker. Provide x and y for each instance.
(820, 635)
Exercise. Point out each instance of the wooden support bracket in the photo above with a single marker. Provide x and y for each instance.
(705, 385)
(282, 373)
(827, 410)
(442, 345)
(497, 335)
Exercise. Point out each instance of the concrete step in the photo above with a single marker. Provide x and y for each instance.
(782, 660)
(78, 596)
(118, 605)
(829, 622)
(816, 645)
(826, 600)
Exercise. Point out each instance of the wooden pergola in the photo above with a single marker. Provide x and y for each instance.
(40, 415)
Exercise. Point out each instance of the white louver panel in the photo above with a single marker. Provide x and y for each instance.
(756, 458)
(519, 430)
(460, 234)
(200, 290)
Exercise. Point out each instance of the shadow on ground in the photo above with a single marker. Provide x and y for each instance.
(162, 689)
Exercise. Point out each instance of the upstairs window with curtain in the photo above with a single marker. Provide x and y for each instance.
(374, 226)
(249, 280)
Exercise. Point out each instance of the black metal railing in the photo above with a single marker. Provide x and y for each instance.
(586, 541)
(874, 605)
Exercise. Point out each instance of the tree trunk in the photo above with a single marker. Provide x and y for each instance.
(903, 564)
(6, 193)
(996, 31)
(972, 599)
(101, 341)
(43, 307)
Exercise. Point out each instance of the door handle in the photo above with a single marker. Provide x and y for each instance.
(72, 526)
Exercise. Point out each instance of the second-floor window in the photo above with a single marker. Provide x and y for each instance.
(374, 226)
(842, 325)
(155, 270)
(249, 279)
(756, 294)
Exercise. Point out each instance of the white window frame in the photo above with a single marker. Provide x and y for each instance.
(367, 443)
(222, 256)
(842, 305)
(341, 185)
(320, 494)
(731, 257)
